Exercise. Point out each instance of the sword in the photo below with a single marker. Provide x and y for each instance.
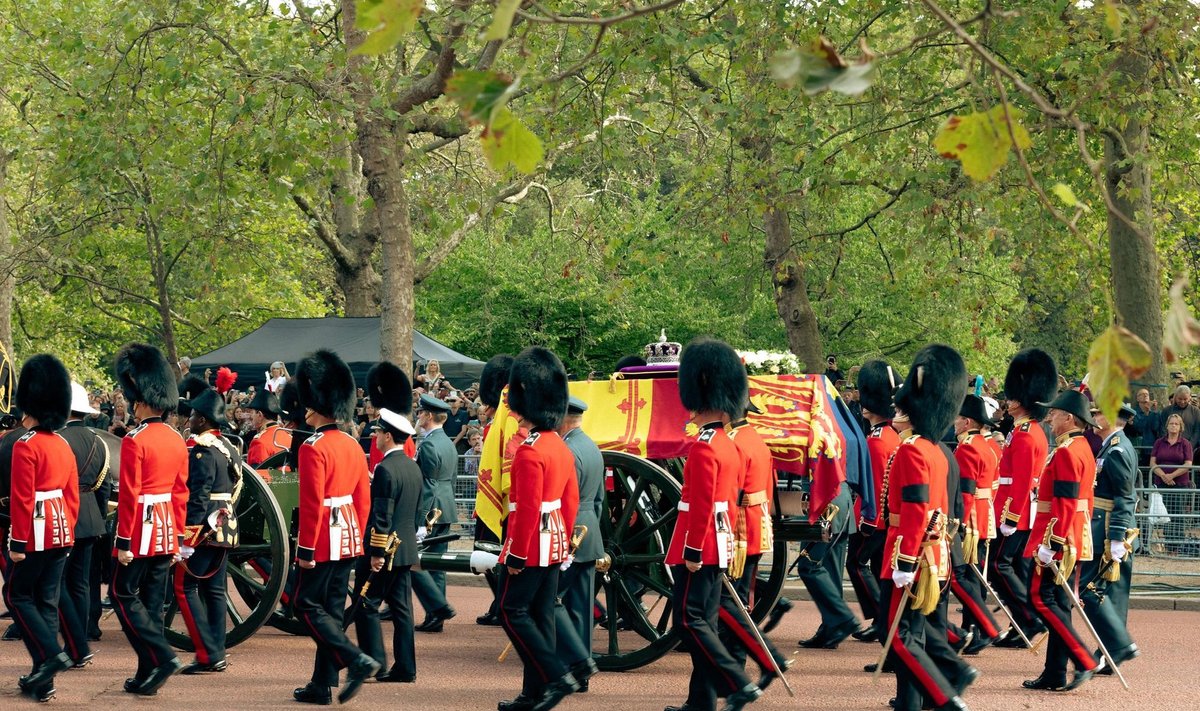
(1131, 535)
(757, 634)
(393, 545)
(1066, 585)
(906, 591)
(1003, 607)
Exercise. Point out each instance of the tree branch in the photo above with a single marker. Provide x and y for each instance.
(551, 18)
(324, 233)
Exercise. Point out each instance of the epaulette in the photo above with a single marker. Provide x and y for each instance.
(1025, 426)
(533, 437)
(316, 437)
(27, 436)
(912, 438)
(134, 432)
(877, 430)
(707, 435)
(968, 439)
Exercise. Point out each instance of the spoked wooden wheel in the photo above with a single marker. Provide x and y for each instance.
(632, 581)
(252, 591)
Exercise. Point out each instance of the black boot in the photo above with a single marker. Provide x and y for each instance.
(358, 672)
(312, 693)
(521, 703)
(738, 700)
(158, 676)
(556, 691)
(1046, 682)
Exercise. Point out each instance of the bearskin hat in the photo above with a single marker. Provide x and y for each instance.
(145, 376)
(934, 390)
(326, 385)
(289, 403)
(1032, 378)
(537, 388)
(389, 387)
(189, 387)
(712, 377)
(44, 391)
(876, 385)
(494, 378)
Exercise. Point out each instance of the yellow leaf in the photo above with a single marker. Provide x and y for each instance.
(1115, 357)
(386, 23)
(507, 142)
(1067, 195)
(502, 19)
(981, 141)
(1112, 17)
(1183, 330)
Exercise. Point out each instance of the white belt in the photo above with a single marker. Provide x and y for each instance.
(682, 506)
(151, 499)
(220, 497)
(148, 501)
(720, 507)
(1006, 480)
(47, 495)
(512, 506)
(548, 506)
(336, 501)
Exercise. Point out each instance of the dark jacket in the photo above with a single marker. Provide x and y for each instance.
(1116, 472)
(208, 474)
(589, 468)
(6, 451)
(438, 460)
(96, 473)
(395, 496)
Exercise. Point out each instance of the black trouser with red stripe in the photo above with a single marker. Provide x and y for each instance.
(32, 597)
(320, 600)
(138, 591)
(74, 602)
(736, 633)
(968, 588)
(1010, 578)
(864, 562)
(916, 671)
(200, 591)
(527, 602)
(394, 586)
(695, 601)
(1053, 606)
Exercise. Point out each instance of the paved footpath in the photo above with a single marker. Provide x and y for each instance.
(458, 671)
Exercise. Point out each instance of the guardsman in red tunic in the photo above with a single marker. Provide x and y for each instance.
(864, 555)
(271, 438)
(335, 502)
(45, 504)
(713, 387)
(1062, 534)
(1032, 378)
(917, 506)
(754, 537)
(543, 503)
(977, 466)
(151, 509)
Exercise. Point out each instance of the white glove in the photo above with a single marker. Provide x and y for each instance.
(186, 552)
(1117, 550)
(1045, 554)
(902, 579)
(1007, 530)
(421, 533)
(566, 563)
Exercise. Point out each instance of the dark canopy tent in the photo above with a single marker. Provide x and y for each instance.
(356, 340)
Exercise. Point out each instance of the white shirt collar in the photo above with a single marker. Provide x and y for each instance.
(397, 448)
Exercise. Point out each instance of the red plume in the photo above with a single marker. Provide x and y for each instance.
(225, 379)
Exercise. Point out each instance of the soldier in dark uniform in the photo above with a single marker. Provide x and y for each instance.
(395, 496)
(543, 501)
(151, 508)
(713, 387)
(335, 501)
(577, 582)
(45, 506)
(438, 459)
(1105, 599)
(95, 485)
(200, 576)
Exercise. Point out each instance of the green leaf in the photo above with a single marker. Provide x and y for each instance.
(981, 141)
(507, 142)
(1113, 16)
(819, 67)
(386, 22)
(479, 94)
(1115, 357)
(502, 19)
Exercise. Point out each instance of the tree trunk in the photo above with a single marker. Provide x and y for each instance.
(8, 280)
(360, 287)
(791, 290)
(1136, 273)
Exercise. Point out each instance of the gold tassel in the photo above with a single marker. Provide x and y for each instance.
(925, 599)
(737, 562)
(1070, 555)
(971, 546)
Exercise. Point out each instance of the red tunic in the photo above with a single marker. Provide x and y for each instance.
(881, 445)
(335, 496)
(1065, 497)
(272, 440)
(755, 488)
(152, 504)
(916, 489)
(45, 493)
(1020, 467)
(977, 465)
(710, 481)
(543, 502)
